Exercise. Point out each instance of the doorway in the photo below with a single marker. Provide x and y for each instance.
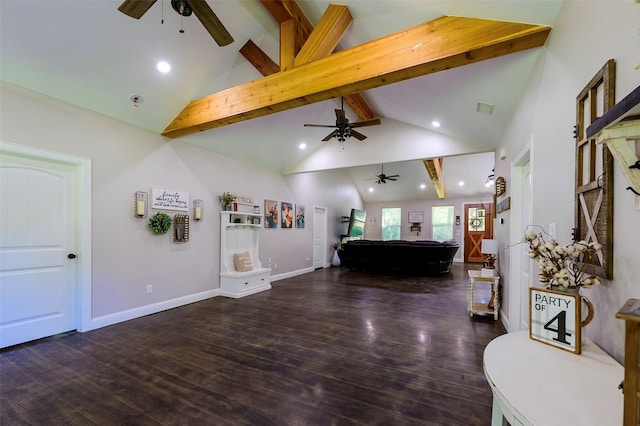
(517, 293)
(319, 237)
(478, 221)
(44, 244)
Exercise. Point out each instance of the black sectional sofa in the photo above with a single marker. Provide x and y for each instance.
(410, 257)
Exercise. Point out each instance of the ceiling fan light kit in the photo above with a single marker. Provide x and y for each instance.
(344, 129)
(137, 8)
(382, 178)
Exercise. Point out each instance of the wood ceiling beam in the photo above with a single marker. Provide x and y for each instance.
(434, 170)
(283, 10)
(326, 35)
(433, 46)
(259, 59)
(288, 46)
(295, 29)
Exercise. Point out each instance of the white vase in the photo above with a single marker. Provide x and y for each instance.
(335, 260)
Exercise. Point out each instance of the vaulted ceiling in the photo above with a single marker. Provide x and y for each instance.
(89, 54)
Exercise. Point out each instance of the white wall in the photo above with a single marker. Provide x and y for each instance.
(584, 37)
(125, 159)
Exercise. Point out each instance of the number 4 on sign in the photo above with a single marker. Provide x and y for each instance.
(554, 318)
(561, 330)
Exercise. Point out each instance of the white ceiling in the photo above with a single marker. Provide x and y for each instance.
(87, 53)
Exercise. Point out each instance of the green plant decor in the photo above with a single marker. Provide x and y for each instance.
(160, 223)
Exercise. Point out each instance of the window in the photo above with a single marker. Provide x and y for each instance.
(391, 220)
(476, 219)
(442, 223)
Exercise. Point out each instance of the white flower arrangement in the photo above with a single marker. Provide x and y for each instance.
(562, 266)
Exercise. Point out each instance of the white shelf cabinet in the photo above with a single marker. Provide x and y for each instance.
(483, 305)
(240, 232)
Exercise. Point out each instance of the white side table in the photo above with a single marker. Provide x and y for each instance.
(492, 306)
(537, 384)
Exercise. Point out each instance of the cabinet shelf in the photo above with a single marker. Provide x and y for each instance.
(238, 234)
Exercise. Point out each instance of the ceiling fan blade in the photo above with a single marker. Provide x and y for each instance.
(135, 8)
(372, 122)
(318, 125)
(333, 134)
(211, 22)
(357, 135)
(340, 117)
(393, 177)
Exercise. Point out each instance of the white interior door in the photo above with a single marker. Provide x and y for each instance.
(319, 236)
(517, 291)
(37, 245)
(525, 263)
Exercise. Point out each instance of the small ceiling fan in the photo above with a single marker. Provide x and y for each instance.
(137, 8)
(382, 178)
(344, 129)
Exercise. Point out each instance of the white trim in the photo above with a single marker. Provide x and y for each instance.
(516, 231)
(291, 274)
(325, 261)
(83, 222)
(141, 311)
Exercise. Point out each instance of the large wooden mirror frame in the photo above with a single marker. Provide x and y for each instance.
(593, 203)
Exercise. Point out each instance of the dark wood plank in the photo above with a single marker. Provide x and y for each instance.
(330, 347)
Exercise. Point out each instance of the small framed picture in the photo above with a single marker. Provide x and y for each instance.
(554, 318)
(416, 217)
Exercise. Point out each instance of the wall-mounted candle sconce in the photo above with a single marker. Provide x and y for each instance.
(141, 205)
(197, 210)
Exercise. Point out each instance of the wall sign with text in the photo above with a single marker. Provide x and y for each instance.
(554, 318)
(164, 199)
(416, 217)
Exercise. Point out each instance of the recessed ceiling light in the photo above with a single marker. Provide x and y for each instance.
(423, 186)
(370, 189)
(435, 123)
(302, 146)
(461, 183)
(163, 67)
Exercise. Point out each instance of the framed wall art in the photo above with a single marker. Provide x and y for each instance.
(165, 199)
(300, 216)
(416, 217)
(555, 318)
(270, 214)
(286, 219)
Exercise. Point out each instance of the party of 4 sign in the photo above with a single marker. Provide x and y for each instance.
(554, 318)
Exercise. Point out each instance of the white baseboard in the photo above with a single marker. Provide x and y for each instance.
(505, 320)
(291, 274)
(141, 311)
(245, 293)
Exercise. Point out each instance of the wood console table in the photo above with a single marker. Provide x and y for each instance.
(536, 384)
(490, 306)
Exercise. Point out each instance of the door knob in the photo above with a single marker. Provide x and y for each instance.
(71, 256)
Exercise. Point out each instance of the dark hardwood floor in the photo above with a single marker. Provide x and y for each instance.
(333, 347)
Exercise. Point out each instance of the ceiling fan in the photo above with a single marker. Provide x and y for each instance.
(382, 178)
(137, 8)
(344, 129)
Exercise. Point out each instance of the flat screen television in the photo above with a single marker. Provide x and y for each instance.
(357, 220)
